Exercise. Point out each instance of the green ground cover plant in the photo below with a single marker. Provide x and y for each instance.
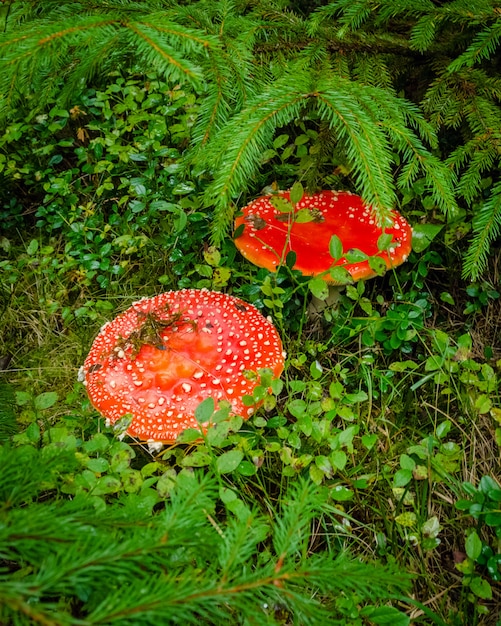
(366, 489)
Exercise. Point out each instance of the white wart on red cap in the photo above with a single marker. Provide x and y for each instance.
(164, 355)
(268, 236)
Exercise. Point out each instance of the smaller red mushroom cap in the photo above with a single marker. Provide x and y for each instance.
(164, 355)
(269, 234)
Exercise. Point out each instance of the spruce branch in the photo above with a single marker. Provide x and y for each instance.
(8, 425)
(486, 228)
(366, 146)
(42, 54)
(236, 151)
(351, 15)
(368, 122)
(70, 562)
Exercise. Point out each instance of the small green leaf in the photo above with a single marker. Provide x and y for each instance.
(323, 464)
(280, 141)
(407, 462)
(473, 545)
(339, 459)
(341, 494)
(369, 441)
(22, 398)
(494, 567)
(358, 396)
(316, 474)
(106, 484)
(303, 216)
(296, 192)
(301, 139)
(199, 458)
(221, 415)
(297, 407)
(469, 489)
(340, 275)
(465, 342)
(497, 437)
(335, 248)
(402, 366)
(132, 480)
(246, 468)
(212, 256)
(98, 465)
(483, 404)
(281, 204)
(378, 265)
(204, 410)
(423, 235)
(220, 277)
(316, 370)
(290, 259)
(493, 519)
(189, 436)
(229, 461)
(217, 434)
(45, 400)
(408, 520)
(354, 255)
(97, 443)
(443, 429)
(33, 432)
(166, 483)
(267, 155)
(462, 505)
(431, 527)
(402, 477)
(239, 231)
(32, 247)
(149, 469)
(384, 241)
(481, 588)
(446, 297)
(318, 288)
(227, 495)
(352, 293)
(488, 484)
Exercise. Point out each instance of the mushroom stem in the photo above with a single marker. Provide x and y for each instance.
(317, 306)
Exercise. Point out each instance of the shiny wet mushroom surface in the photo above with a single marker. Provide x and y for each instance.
(266, 235)
(164, 355)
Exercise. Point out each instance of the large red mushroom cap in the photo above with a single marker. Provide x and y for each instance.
(164, 355)
(269, 234)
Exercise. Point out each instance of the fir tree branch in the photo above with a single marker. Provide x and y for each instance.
(369, 123)
(236, 152)
(8, 424)
(40, 55)
(486, 228)
(69, 562)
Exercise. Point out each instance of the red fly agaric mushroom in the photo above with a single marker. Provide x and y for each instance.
(270, 234)
(159, 359)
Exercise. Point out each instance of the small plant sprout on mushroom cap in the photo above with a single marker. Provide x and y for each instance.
(333, 235)
(164, 355)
